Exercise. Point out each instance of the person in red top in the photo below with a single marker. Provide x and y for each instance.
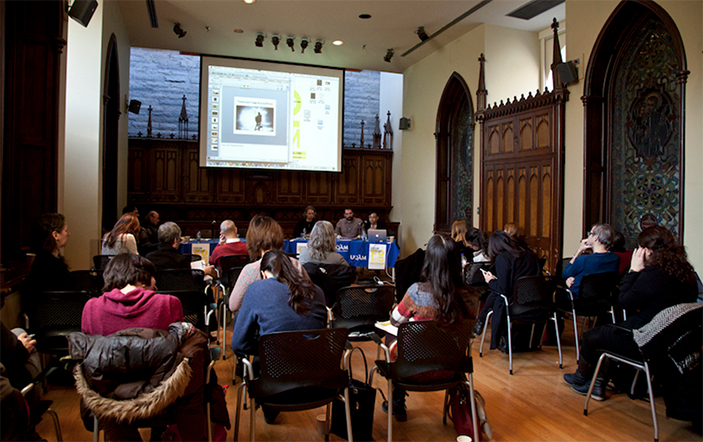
(129, 299)
(229, 243)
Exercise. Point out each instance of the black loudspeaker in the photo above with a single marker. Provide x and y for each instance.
(134, 106)
(404, 124)
(567, 72)
(82, 11)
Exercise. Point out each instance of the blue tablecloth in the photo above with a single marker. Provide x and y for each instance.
(354, 251)
(187, 248)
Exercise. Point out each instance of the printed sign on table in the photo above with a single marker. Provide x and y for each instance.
(300, 246)
(203, 251)
(377, 256)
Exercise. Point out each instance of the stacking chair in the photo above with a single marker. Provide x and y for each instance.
(670, 345)
(90, 281)
(101, 261)
(300, 370)
(196, 309)
(51, 316)
(425, 346)
(358, 308)
(330, 278)
(42, 405)
(231, 266)
(180, 279)
(533, 304)
(596, 297)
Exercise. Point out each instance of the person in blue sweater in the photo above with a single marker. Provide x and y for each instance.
(602, 260)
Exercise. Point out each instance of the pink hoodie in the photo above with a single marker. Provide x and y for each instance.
(115, 311)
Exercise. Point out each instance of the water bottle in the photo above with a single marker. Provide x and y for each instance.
(303, 235)
(363, 234)
(198, 235)
(463, 260)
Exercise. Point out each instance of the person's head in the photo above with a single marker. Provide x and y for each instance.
(502, 242)
(477, 239)
(276, 264)
(128, 269)
(602, 233)
(322, 240)
(373, 218)
(459, 229)
(511, 229)
(348, 214)
(263, 234)
(128, 223)
(309, 213)
(442, 270)
(666, 253)
(228, 229)
(152, 217)
(131, 209)
(169, 234)
(618, 242)
(50, 233)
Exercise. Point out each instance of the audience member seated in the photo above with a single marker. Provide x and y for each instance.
(305, 225)
(322, 247)
(167, 255)
(149, 231)
(478, 243)
(459, 230)
(602, 260)
(441, 295)
(129, 299)
(229, 243)
(374, 222)
(510, 262)
(263, 234)
(123, 237)
(619, 249)
(660, 276)
(349, 227)
(49, 271)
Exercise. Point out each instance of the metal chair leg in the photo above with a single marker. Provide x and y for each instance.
(390, 411)
(556, 332)
(576, 334)
(472, 398)
(57, 426)
(483, 335)
(651, 402)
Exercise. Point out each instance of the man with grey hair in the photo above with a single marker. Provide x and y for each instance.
(167, 255)
(229, 243)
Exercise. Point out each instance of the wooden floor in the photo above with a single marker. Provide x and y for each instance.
(532, 405)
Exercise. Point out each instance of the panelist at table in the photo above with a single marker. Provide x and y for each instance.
(349, 226)
(306, 224)
(374, 222)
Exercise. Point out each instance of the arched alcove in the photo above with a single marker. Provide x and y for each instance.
(111, 116)
(634, 95)
(455, 139)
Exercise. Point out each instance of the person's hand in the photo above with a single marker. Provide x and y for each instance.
(570, 281)
(210, 270)
(583, 245)
(28, 342)
(488, 276)
(222, 238)
(639, 258)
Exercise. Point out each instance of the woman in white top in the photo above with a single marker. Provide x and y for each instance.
(122, 237)
(322, 247)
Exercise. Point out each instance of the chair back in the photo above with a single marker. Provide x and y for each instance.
(90, 281)
(330, 278)
(194, 303)
(101, 261)
(297, 359)
(597, 292)
(359, 308)
(232, 266)
(560, 266)
(675, 334)
(429, 345)
(535, 291)
(180, 279)
(54, 315)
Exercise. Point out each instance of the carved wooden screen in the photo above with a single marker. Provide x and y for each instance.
(521, 181)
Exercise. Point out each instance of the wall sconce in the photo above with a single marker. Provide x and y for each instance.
(421, 33)
(303, 45)
(178, 30)
(259, 42)
(290, 42)
(318, 47)
(275, 40)
(389, 55)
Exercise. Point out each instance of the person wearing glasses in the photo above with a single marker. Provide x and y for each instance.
(602, 260)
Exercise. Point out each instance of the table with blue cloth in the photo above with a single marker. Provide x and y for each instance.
(354, 251)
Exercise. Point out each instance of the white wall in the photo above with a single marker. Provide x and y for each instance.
(391, 99)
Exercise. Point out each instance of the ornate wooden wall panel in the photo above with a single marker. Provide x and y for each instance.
(319, 189)
(197, 183)
(348, 191)
(138, 184)
(289, 188)
(165, 173)
(229, 186)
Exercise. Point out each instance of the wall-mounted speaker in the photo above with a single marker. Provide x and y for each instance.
(134, 106)
(82, 11)
(567, 72)
(404, 124)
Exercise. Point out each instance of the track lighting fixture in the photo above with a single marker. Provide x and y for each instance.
(259, 42)
(389, 55)
(318, 47)
(290, 41)
(178, 30)
(421, 33)
(275, 40)
(303, 45)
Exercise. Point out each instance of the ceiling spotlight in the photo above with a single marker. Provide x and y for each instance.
(249, 1)
(318, 47)
(178, 30)
(338, 42)
(303, 45)
(259, 42)
(289, 42)
(275, 40)
(421, 33)
(389, 55)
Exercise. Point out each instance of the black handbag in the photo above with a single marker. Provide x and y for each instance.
(362, 399)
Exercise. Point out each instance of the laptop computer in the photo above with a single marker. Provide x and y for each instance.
(377, 235)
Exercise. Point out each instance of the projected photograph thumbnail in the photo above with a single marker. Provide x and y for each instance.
(254, 116)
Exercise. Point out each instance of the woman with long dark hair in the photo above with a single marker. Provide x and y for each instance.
(660, 276)
(441, 295)
(478, 242)
(49, 270)
(122, 237)
(510, 261)
(283, 300)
